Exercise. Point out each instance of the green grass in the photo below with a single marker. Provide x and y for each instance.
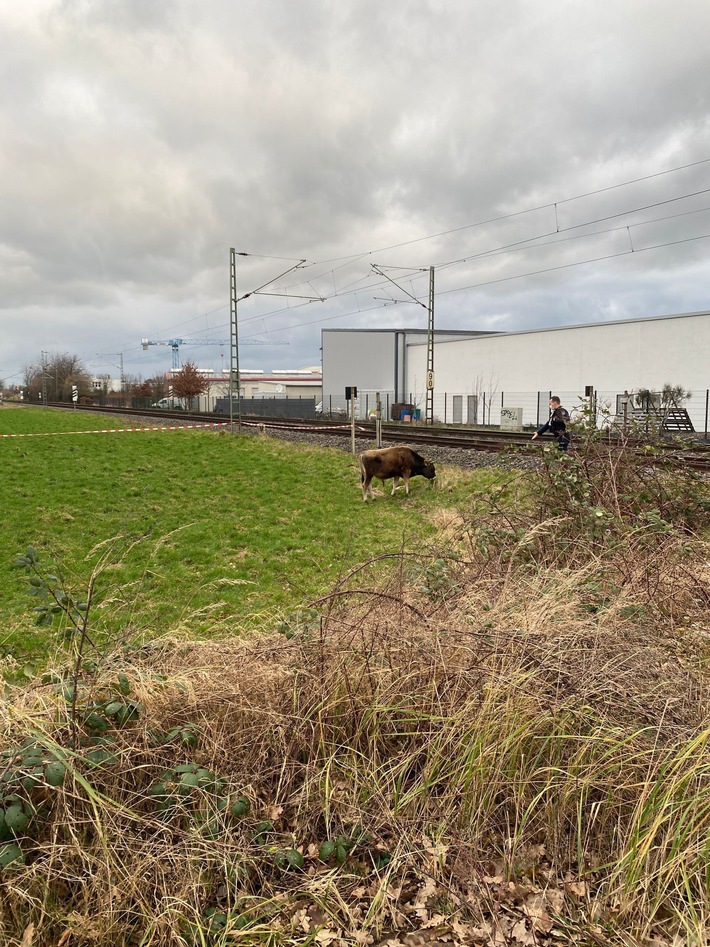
(205, 533)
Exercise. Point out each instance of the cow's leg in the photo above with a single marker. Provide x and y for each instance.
(395, 482)
(406, 482)
(366, 486)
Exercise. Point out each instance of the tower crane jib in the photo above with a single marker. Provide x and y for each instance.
(176, 343)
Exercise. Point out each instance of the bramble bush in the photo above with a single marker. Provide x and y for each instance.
(612, 487)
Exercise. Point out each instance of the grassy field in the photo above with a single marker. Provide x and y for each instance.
(200, 533)
(500, 735)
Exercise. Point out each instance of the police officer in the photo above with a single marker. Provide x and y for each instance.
(556, 424)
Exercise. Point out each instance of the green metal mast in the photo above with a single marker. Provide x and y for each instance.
(233, 341)
(430, 352)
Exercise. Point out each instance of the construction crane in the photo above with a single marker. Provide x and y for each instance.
(176, 343)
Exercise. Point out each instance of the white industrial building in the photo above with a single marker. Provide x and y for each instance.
(103, 384)
(375, 361)
(478, 374)
(289, 383)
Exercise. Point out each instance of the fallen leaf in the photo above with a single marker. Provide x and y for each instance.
(362, 937)
(419, 904)
(522, 934)
(326, 937)
(478, 935)
(555, 900)
(317, 915)
(536, 909)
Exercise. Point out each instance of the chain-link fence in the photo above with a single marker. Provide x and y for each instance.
(505, 409)
(525, 409)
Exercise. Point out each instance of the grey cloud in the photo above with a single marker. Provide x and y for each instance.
(142, 139)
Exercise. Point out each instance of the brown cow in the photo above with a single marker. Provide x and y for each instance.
(392, 462)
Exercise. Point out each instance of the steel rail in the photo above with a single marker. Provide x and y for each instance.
(695, 456)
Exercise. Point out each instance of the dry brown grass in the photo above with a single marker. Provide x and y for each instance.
(504, 721)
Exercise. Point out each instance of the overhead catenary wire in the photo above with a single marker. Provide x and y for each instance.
(520, 213)
(348, 259)
(564, 266)
(503, 279)
(528, 243)
(360, 310)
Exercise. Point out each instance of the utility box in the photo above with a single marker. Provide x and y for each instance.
(399, 409)
(511, 419)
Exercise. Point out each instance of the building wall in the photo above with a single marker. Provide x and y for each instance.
(614, 356)
(280, 389)
(479, 374)
(265, 387)
(374, 360)
(365, 359)
(99, 383)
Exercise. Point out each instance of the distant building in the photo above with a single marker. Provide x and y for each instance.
(257, 383)
(375, 361)
(477, 373)
(103, 384)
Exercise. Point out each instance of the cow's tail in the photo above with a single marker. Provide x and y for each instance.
(362, 469)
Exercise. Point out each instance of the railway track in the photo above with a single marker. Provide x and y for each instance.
(696, 455)
(469, 439)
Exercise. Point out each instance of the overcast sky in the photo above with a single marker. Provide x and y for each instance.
(523, 148)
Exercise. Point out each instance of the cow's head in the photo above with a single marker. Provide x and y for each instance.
(428, 470)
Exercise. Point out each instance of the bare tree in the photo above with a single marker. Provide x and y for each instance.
(483, 392)
(32, 380)
(131, 381)
(57, 373)
(158, 387)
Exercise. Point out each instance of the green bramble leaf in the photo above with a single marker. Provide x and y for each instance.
(240, 808)
(16, 819)
(55, 773)
(11, 853)
(326, 850)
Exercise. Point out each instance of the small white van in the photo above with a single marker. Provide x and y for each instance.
(168, 404)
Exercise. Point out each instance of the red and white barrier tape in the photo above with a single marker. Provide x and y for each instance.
(122, 430)
(180, 427)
